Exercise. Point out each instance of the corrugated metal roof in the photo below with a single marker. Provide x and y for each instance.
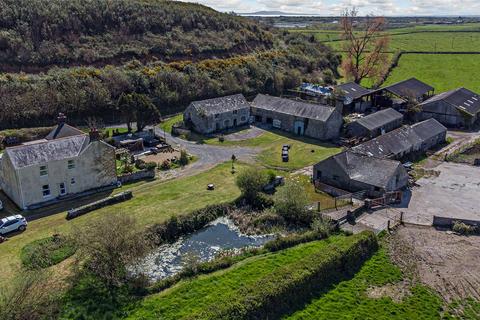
(409, 88)
(367, 169)
(46, 151)
(353, 90)
(379, 119)
(221, 104)
(293, 107)
(463, 99)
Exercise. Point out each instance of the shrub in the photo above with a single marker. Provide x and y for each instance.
(271, 175)
(47, 252)
(166, 165)
(140, 164)
(184, 159)
(322, 225)
(462, 228)
(150, 165)
(221, 138)
(291, 202)
(110, 246)
(291, 240)
(251, 182)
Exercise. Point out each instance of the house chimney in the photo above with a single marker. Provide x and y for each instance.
(94, 134)
(61, 119)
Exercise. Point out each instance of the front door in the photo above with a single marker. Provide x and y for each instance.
(63, 189)
(234, 122)
(299, 127)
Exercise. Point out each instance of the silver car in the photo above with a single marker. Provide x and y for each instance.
(12, 223)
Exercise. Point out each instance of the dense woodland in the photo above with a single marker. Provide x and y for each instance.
(57, 32)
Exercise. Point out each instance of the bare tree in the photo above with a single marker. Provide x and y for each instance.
(366, 44)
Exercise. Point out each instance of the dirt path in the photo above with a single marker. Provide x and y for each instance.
(446, 262)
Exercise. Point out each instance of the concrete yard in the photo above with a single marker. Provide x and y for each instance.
(454, 193)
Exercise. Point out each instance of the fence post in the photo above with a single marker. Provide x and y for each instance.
(318, 206)
(401, 217)
(336, 203)
(388, 225)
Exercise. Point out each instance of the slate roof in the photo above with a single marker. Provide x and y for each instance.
(63, 130)
(366, 169)
(353, 90)
(44, 152)
(379, 119)
(409, 87)
(401, 140)
(463, 99)
(293, 107)
(221, 104)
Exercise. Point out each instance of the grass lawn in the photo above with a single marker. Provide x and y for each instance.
(444, 72)
(152, 202)
(192, 296)
(167, 124)
(349, 299)
(304, 151)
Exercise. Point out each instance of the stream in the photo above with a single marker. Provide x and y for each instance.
(205, 244)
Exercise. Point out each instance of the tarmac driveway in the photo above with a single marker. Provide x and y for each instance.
(454, 193)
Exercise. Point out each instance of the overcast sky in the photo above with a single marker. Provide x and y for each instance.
(334, 7)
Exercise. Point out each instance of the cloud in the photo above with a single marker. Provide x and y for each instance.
(335, 7)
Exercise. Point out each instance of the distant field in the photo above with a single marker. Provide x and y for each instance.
(442, 71)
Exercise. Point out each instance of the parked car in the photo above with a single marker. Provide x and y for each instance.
(12, 223)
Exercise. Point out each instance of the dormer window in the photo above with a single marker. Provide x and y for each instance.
(43, 171)
(71, 164)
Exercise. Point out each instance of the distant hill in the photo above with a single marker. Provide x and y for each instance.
(75, 32)
(275, 13)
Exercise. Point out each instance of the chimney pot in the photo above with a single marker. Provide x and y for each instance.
(61, 118)
(94, 135)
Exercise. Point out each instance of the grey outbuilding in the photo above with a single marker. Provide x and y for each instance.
(299, 117)
(455, 108)
(217, 114)
(375, 124)
(355, 172)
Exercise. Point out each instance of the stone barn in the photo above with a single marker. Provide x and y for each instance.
(355, 172)
(313, 120)
(217, 114)
(455, 108)
(406, 142)
(375, 124)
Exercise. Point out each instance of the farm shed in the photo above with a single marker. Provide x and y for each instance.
(217, 114)
(398, 94)
(314, 120)
(405, 142)
(355, 97)
(358, 172)
(375, 124)
(456, 108)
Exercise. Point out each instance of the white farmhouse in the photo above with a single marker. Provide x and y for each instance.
(66, 162)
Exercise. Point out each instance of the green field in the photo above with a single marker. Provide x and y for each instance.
(350, 299)
(304, 151)
(444, 72)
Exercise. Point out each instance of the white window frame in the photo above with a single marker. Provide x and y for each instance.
(71, 164)
(47, 189)
(43, 171)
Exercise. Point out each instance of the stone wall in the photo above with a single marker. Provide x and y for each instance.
(137, 176)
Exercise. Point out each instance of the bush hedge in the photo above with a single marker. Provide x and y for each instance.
(281, 292)
(47, 252)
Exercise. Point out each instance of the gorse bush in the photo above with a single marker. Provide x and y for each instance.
(251, 182)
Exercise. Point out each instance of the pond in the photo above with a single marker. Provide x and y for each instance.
(205, 244)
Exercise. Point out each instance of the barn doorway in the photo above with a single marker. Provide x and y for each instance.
(234, 122)
(299, 128)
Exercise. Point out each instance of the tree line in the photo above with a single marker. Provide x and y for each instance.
(81, 92)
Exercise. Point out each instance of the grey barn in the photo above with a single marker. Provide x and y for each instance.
(358, 172)
(405, 142)
(456, 108)
(313, 120)
(211, 115)
(375, 124)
